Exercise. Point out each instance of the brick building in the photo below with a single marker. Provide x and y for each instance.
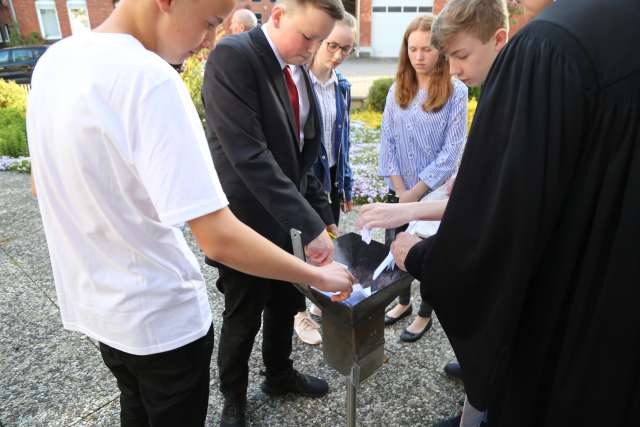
(381, 22)
(53, 19)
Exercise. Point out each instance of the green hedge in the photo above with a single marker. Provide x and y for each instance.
(377, 96)
(13, 133)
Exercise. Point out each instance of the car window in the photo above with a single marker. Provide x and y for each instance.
(37, 53)
(20, 55)
(4, 57)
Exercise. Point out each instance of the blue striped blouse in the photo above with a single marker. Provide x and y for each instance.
(420, 146)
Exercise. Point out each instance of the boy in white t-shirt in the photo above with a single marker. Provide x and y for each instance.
(120, 160)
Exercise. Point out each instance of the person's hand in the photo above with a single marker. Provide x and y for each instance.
(320, 250)
(346, 206)
(450, 184)
(333, 231)
(401, 247)
(335, 277)
(383, 215)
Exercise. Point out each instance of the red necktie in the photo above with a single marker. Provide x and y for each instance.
(293, 97)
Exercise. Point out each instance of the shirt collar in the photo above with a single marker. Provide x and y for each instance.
(333, 79)
(273, 48)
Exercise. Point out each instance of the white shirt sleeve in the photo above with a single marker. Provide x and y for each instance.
(171, 155)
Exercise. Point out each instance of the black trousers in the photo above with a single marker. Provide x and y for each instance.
(405, 299)
(246, 300)
(163, 389)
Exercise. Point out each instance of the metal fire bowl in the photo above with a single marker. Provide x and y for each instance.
(355, 335)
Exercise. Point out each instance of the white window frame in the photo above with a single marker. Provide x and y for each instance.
(76, 4)
(50, 5)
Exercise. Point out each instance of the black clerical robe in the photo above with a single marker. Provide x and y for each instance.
(535, 270)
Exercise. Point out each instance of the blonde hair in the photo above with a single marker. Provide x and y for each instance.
(440, 87)
(480, 18)
(350, 21)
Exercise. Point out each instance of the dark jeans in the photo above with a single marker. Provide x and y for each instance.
(163, 389)
(246, 299)
(336, 196)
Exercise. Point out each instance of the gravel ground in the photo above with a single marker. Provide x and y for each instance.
(52, 377)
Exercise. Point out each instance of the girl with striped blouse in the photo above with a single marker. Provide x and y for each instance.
(423, 132)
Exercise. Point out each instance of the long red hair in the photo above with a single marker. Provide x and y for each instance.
(440, 87)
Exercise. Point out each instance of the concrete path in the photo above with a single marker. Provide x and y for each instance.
(362, 72)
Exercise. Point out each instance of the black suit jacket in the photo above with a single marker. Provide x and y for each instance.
(252, 138)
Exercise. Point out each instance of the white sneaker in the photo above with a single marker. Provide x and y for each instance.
(306, 329)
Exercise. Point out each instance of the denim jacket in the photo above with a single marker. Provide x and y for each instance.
(341, 144)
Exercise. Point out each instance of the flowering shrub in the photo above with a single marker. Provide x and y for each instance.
(471, 112)
(12, 95)
(368, 187)
(13, 105)
(20, 164)
(13, 134)
(192, 75)
(372, 119)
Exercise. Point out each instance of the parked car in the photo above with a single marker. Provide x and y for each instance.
(17, 63)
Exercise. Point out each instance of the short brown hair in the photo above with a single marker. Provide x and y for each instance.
(440, 86)
(333, 8)
(480, 18)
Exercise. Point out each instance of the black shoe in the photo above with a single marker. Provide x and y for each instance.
(296, 383)
(233, 413)
(449, 422)
(453, 369)
(407, 336)
(388, 320)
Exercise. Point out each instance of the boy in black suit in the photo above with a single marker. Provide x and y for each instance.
(264, 134)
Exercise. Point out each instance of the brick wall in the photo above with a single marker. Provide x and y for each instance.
(27, 16)
(5, 14)
(99, 10)
(438, 5)
(5, 19)
(365, 23)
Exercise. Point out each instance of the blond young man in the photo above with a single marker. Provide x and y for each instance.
(120, 162)
(471, 33)
(265, 134)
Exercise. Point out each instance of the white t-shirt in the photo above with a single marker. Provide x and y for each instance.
(120, 159)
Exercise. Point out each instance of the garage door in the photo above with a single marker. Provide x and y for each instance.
(389, 20)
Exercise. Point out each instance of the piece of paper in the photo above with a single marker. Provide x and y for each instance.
(366, 235)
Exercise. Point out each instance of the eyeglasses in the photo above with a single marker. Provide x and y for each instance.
(332, 47)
